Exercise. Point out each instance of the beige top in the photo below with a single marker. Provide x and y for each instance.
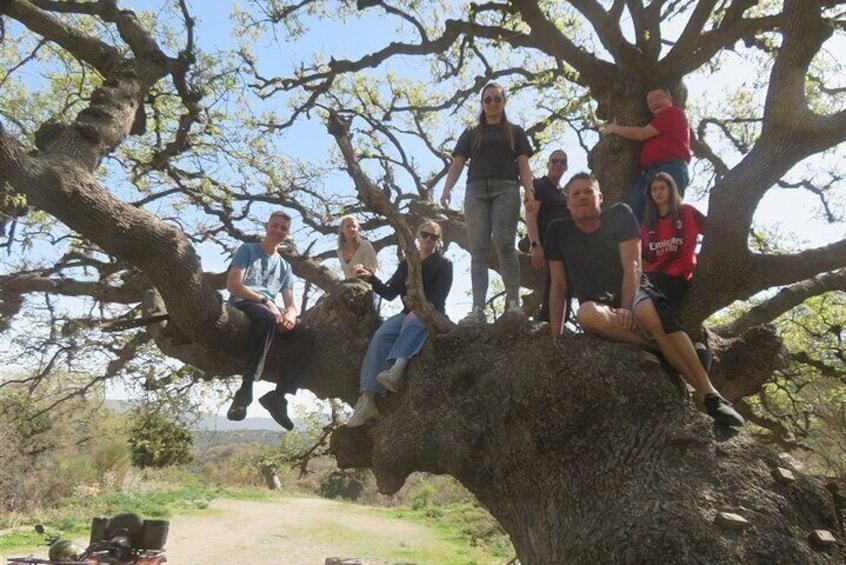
(364, 255)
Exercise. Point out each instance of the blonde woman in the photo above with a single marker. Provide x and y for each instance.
(353, 250)
(403, 335)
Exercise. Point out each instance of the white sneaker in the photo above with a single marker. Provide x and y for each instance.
(365, 409)
(513, 307)
(391, 378)
(474, 318)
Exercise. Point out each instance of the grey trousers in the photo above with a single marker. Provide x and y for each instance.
(492, 209)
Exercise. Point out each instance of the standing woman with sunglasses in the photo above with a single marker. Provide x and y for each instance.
(403, 335)
(499, 153)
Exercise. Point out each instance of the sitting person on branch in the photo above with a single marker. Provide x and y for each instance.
(666, 146)
(257, 274)
(668, 236)
(598, 253)
(353, 250)
(403, 335)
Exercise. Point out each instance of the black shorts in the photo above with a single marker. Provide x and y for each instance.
(662, 305)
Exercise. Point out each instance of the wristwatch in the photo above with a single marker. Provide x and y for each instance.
(264, 300)
(534, 244)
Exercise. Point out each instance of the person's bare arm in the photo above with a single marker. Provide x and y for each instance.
(235, 285)
(452, 177)
(532, 211)
(557, 296)
(526, 178)
(288, 319)
(630, 259)
(633, 133)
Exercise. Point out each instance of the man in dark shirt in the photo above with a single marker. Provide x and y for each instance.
(597, 254)
(550, 204)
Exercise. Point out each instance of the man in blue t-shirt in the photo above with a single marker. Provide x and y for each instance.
(597, 255)
(257, 274)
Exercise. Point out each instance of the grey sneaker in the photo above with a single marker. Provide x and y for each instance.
(365, 409)
(392, 378)
(476, 317)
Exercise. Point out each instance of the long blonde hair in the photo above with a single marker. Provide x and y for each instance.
(341, 240)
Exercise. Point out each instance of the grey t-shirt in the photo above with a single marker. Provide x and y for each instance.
(493, 157)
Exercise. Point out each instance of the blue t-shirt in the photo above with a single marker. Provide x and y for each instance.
(265, 274)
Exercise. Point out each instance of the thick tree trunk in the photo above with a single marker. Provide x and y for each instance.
(585, 457)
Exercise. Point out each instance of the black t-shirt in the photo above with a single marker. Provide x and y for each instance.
(493, 158)
(592, 260)
(553, 204)
(437, 281)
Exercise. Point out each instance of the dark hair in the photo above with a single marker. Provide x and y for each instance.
(280, 214)
(582, 176)
(665, 89)
(478, 128)
(554, 151)
(650, 214)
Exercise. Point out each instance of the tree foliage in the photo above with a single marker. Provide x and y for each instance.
(158, 440)
(127, 153)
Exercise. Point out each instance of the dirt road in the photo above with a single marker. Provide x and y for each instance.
(304, 531)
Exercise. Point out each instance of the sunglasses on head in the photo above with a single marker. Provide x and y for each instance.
(558, 161)
(490, 99)
(429, 235)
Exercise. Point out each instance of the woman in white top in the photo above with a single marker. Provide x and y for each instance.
(353, 250)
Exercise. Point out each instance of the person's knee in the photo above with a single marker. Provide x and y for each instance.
(590, 318)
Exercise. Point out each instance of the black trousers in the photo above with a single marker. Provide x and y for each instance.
(297, 347)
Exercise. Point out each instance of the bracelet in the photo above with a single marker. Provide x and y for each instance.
(534, 244)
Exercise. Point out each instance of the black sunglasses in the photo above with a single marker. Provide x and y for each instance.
(429, 235)
(489, 99)
(558, 161)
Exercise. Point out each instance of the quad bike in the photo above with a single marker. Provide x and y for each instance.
(122, 540)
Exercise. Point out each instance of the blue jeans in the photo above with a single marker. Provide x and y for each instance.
(637, 197)
(401, 336)
(492, 206)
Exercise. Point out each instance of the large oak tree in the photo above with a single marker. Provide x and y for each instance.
(146, 150)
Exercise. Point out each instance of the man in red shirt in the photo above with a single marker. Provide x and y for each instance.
(666, 145)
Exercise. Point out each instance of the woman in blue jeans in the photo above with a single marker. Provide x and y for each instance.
(403, 335)
(499, 153)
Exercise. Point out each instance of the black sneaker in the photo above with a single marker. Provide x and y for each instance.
(275, 403)
(722, 411)
(704, 355)
(238, 410)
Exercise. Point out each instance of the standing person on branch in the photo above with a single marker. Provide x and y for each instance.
(666, 146)
(257, 274)
(499, 153)
(550, 204)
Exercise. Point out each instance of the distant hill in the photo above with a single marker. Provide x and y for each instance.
(216, 422)
(211, 422)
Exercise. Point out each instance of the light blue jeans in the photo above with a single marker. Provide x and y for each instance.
(492, 207)
(401, 336)
(677, 168)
